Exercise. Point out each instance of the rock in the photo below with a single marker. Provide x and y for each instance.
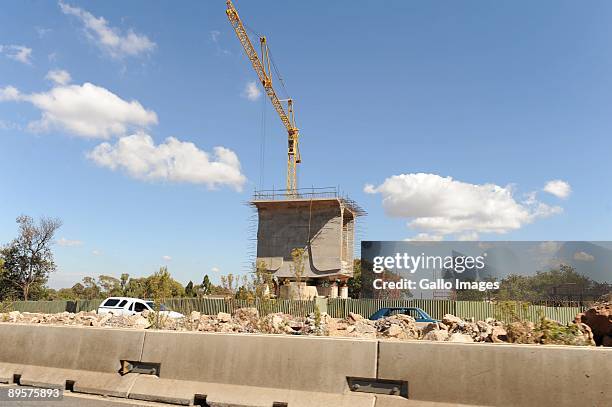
(141, 322)
(246, 314)
(432, 326)
(398, 327)
(587, 333)
(354, 317)
(194, 316)
(14, 316)
(498, 335)
(394, 331)
(459, 337)
(450, 320)
(484, 331)
(599, 318)
(362, 329)
(274, 323)
(521, 332)
(247, 318)
(436, 335)
(224, 317)
(105, 318)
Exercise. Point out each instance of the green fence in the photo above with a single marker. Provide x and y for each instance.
(212, 306)
(337, 308)
(52, 307)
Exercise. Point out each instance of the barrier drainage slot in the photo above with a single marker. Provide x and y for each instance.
(17, 379)
(280, 404)
(128, 366)
(200, 400)
(69, 385)
(378, 386)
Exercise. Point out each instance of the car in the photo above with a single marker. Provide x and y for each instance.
(420, 316)
(132, 306)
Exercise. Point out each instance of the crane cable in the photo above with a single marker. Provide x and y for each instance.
(274, 66)
(262, 145)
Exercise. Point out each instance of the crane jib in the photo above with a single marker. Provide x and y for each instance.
(265, 77)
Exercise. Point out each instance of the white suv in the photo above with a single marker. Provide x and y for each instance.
(132, 306)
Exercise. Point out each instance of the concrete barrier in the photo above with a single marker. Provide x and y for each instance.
(498, 374)
(88, 359)
(258, 369)
(274, 370)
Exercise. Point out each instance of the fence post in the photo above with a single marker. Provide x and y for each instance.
(321, 304)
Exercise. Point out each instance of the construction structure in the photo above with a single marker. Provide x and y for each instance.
(306, 238)
(321, 225)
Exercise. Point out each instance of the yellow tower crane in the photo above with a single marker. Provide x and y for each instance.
(262, 68)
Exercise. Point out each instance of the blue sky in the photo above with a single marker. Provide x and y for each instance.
(442, 119)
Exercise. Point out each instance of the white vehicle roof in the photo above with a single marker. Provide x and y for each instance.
(125, 298)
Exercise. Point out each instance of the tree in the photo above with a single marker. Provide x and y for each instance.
(91, 289)
(261, 280)
(136, 287)
(189, 289)
(227, 284)
(124, 281)
(28, 259)
(558, 284)
(78, 291)
(161, 285)
(297, 255)
(6, 289)
(354, 283)
(110, 286)
(206, 286)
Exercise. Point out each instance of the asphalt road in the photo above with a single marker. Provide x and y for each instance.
(79, 400)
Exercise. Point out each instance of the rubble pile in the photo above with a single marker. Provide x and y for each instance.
(79, 319)
(455, 329)
(395, 327)
(599, 319)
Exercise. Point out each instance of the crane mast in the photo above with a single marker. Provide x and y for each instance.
(262, 68)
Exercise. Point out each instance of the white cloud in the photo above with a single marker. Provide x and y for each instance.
(214, 36)
(174, 161)
(84, 110)
(96, 252)
(69, 243)
(9, 93)
(59, 76)
(468, 237)
(558, 188)
(215, 269)
(583, 256)
(251, 91)
(166, 258)
(18, 53)
(441, 205)
(425, 237)
(110, 39)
